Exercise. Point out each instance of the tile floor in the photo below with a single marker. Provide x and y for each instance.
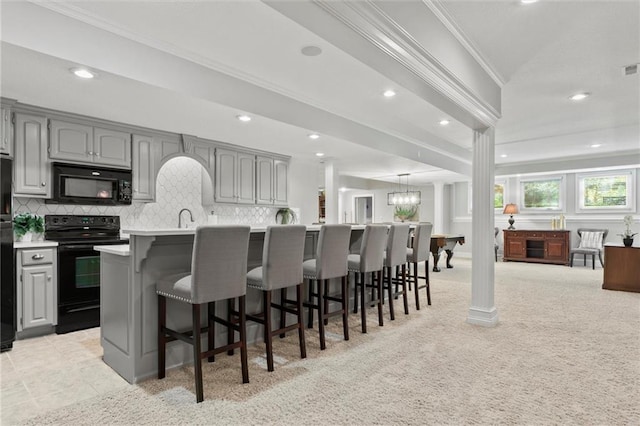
(45, 373)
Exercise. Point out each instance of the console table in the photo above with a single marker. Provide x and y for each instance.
(621, 268)
(537, 246)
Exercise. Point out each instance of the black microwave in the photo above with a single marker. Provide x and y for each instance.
(75, 184)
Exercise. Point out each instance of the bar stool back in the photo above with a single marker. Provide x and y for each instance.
(218, 268)
(420, 253)
(331, 262)
(370, 260)
(281, 268)
(396, 257)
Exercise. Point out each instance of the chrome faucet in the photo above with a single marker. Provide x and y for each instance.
(180, 217)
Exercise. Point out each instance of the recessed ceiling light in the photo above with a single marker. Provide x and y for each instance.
(314, 136)
(243, 117)
(528, 1)
(343, 189)
(82, 73)
(319, 154)
(444, 122)
(596, 145)
(503, 155)
(311, 51)
(579, 96)
(389, 94)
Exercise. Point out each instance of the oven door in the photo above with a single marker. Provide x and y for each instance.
(78, 276)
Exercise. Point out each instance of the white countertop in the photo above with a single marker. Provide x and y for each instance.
(118, 250)
(191, 231)
(34, 244)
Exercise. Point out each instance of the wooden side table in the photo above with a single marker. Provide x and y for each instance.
(621, 268)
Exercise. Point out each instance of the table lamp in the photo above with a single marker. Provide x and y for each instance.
(511, 209)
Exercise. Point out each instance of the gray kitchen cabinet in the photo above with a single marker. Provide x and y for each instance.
(84, 143)
(235, 177)
(31, 167)
(143, 168)
(272, 181)
(6, 132)
(36, 270)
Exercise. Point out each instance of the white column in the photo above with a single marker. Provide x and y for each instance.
(438, 208)
(331, 191)
(482, 310)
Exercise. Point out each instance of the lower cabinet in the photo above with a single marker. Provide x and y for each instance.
(537, 246)
(36, 272)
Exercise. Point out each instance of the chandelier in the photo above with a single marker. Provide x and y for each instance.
(405, 197)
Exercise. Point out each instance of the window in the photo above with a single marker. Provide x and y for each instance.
(542, 193)
(498, 195)
(611, 190)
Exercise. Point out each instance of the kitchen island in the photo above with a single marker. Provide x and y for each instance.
(128, 301)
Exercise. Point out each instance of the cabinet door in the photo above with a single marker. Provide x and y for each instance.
(226, 174)
(6, 136)
(38, 305)
(246, 178)
(111, 147)
(264, 180)
(555, 249)
(281, 182)
(143, 168)
(31, 168)
(70, 141)
(515, 244)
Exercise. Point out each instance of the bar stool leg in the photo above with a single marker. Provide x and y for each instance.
(311, 302)
(355, 292)
(363, 313)
(405, 296)
(321, 313)
(243, 338)
(231, 304)
(426, 279)
(326, 300)
(301, 339)
(268, 338)
(211, 340)
(283, 314)
(162, 341)
(345, 308)
(380, 296)
(197, 359)
(390, 292)
(415, 280)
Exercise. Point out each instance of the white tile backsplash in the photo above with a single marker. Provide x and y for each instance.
(178, 186)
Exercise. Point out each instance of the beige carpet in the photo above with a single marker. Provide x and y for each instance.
(565, 352)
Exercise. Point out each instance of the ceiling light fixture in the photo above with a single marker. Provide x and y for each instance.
(389, 94)
(319, 154)
(444, 122)
(311, 51)
(83, 73)
(503, 155)
(314, 136)
(405, 197)
(579, 96)
(243, 117)
(596, 145)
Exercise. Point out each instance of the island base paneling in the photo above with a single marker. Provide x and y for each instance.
(621, 268)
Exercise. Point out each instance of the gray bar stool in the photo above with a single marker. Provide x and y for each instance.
(420, 253)
(396, 257)
(281, 268)
(331, 262)
(370, 260)
(218, 270)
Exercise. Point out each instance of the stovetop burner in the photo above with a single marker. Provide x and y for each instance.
(75, 228)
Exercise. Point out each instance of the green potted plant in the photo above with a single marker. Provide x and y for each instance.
(285, 216)
(27, 224)
(404, 212)
(627, 237)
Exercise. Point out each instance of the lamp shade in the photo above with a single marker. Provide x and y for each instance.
(511, 209)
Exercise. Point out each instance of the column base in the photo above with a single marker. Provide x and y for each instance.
(483, 317)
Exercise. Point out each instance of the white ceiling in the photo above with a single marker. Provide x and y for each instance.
(542, 52)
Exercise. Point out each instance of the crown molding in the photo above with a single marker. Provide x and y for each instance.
(373, 24)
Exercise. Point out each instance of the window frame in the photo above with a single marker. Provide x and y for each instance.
(631, 191)
(561, 199)
(502, 182)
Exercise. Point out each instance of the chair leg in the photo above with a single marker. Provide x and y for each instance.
(283, 314)
(426, 280)
(593, 261)
(585, 259)
(363, 314)
(243, 338)
(405, 296)
(380, 296)
(390, 293)
(311, 302)
(268, 339)
(162, 341)
(415, 280)
(301, 339)
(197, 359)
(326, 300)
(211, 339)
(571, 260)
(321, 313)
(600, 257)
(355, 292)
(345, 308)
(231, 304)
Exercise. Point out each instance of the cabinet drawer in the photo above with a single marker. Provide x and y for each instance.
(37, 256)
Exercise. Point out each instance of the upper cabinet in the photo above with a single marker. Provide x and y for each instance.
(144, 168)
(87, 144)
(31, 169)
(6, 134)
(272, 181)
(235, 177)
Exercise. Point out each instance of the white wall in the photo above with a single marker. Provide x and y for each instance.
(382, 211)
(303, 190)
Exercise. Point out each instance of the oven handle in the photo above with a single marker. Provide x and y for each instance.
(84, 308)
(77, 247)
